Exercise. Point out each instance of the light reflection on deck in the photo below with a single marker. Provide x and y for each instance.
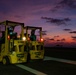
(60, 60)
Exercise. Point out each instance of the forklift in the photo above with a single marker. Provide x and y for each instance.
(11, 47)
(34, 46)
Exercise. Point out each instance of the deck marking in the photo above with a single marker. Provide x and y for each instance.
(36, 72)
(60, 60)
(30, 70)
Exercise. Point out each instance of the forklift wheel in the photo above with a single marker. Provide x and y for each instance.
(5, 60)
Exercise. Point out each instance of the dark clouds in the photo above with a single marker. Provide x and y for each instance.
(43, 32)
(52, 39)
(67, 29)
(63, 39)
(73, 38)
(57, 21)
(58, 40)
(68, 3)
(65, 4)
(73, 32)
(56, 36)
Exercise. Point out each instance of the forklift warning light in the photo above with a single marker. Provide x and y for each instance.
(41, 39)
(8, 37)
(24, 38)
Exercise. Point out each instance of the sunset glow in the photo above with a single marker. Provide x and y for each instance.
(56, 17)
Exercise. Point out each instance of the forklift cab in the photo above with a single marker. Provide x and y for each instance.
(34, 42)
(12, 50)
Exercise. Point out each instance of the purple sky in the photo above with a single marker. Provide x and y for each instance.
(57, 17)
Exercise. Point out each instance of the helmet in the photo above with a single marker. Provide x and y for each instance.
(10, 29)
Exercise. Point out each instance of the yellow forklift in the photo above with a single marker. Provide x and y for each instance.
(34, 45)
(12, 47)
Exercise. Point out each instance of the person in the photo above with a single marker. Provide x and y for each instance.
(10, 31)
(13, 35)
(33, 36)
(2, 39)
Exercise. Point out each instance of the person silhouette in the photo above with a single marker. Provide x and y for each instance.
(33, 36)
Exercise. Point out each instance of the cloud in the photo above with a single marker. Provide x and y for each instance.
(67, 19)
(67, 29)
(73, 32)
(63, 39)
(52, 39)
(68, 3)
(65, 4)
(43, 32)
(73, 38)
(58, 40)
(57, 21)
(56, 36)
